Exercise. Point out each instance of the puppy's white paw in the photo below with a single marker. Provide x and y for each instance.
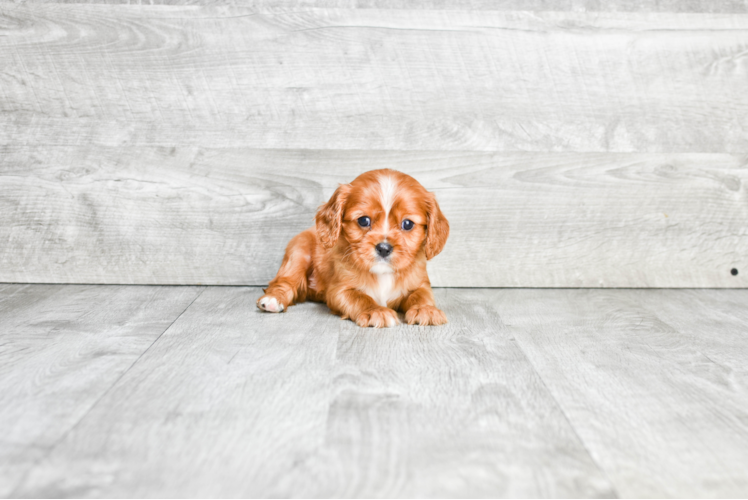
(270, 304)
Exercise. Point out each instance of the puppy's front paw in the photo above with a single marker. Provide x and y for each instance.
(270, 304)
(378, 318)
(425, 315)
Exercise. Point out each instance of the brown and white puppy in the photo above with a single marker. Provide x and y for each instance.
(366, 256)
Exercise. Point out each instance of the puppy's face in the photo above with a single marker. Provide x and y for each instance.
(385, 219)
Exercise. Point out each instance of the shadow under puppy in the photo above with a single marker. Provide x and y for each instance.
(366, 256)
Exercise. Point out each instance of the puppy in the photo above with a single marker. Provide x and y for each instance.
(366, 256)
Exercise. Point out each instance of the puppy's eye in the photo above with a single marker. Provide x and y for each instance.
(407, 225)
(364, 221)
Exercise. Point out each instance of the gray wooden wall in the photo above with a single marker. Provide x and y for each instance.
(575, 143)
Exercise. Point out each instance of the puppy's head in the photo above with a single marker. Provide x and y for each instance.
(385, 219)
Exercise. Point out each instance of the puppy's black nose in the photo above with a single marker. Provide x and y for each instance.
(383, 249)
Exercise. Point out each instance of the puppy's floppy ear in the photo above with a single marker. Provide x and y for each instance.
(329, 218)
(437, 228)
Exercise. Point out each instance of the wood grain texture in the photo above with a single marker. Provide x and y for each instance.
(186, 144)
(61, 349)
(712, 6)
(227, 402)
(392, 79)
(224, 216)
(653, 381)
(632, 393)
(234, 402)
(449, 412)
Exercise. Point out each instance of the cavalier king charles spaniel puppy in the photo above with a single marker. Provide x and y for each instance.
(366, 256)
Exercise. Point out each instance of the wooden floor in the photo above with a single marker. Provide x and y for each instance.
(111, 391)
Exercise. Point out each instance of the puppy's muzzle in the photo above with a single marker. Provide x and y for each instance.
(383, 250)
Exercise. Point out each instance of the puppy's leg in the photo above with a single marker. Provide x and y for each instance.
(290, 284)
(361, 308)
(419, 308)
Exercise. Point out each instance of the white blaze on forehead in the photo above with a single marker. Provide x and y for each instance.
(387, 192)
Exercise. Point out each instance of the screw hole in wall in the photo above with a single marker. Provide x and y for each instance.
(734, 271)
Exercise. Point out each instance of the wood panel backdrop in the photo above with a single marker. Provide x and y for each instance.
(577, 144)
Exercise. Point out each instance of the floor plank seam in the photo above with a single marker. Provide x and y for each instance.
(571, 425)
(331, 398)
(16, 492)
(234, 401)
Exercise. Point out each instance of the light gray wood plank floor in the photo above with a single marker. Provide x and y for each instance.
(118, 391)
(61, 349)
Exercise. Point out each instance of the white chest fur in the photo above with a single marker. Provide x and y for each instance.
(384, 290)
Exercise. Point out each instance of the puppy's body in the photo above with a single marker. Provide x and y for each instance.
(366, 256)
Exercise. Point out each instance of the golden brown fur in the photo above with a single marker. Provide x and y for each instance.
(336, 262)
